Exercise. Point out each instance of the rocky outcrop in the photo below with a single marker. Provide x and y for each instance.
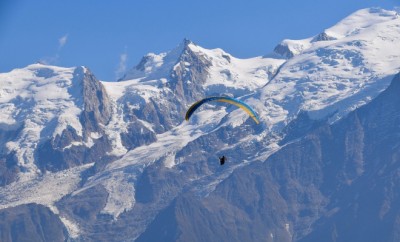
(189, 74)
(322, 37)
(70, 148)
(9, 168)
(31, 222)
(284, 51)
(86, 206)
(96, 104)
(137, 135)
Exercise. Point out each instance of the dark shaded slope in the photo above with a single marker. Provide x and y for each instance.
(336, 183)
(31, 222)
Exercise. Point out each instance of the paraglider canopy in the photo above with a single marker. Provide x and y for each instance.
(230, 100)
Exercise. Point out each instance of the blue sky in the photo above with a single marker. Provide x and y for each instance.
(110, 37)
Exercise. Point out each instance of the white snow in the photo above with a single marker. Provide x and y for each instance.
(336, 76)
(361, 19)
(35, 97)
(297, 46)
(113, 130)
(72, 228)
(234, 74)
(46, 189)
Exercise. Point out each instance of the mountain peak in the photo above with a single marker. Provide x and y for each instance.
(361, 20)
(186, 42)
(323, 37)
(156, 65)
(289, 48)
(185, 46)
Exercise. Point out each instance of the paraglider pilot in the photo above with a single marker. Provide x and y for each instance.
(222, 160)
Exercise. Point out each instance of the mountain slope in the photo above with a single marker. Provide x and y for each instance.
(31, 222)
(337, 183)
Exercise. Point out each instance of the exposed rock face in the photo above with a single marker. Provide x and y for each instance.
(189, 74)
(96, 104)
(322, 37)
(8, 169)
(31, 222)
(60, 153)
(85, 207)
(133, 138)
(142, 64)
(8, 162)
(284, 51)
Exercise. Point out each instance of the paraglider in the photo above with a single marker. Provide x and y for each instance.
(222, 160)
(230, 100)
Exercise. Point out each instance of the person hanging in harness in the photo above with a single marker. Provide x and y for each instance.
(222, 160)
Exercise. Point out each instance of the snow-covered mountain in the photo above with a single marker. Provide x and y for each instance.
(43, 103)
(116, 161)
